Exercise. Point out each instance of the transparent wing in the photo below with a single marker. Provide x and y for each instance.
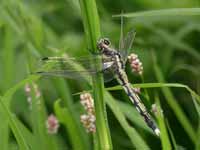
(70, 64)
(109, 73)
(121, 40)
(127, 44)
(78, 75)
(74, 68)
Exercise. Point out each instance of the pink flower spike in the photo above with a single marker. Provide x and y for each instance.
(88, 119)
(27, 88)
(135, 63)
(87, 101)
(52, 124)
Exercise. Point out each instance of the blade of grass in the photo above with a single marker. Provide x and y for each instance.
(9, 93)
(197, 106)
(38, 118)
(198, 141)
(8, 58)
(64, 93)
(163, 130)
(26, 132)
(4, 130)
(174, 42)
(133, 135)
(173, 104)
(92, 31)
(132, 114)
(63, 115)
(172, 136)
(185, 30)
(162, 12)
(21, 140)
(160, 85)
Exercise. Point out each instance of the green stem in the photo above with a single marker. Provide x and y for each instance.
(92, 31)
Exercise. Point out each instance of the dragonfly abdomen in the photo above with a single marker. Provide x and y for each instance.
(123, 80)
(140, 108)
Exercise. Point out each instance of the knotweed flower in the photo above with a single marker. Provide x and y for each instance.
(52, 124)
(36, 89)
(88, 103)
(136, 64)
(88, 120)
(137, 90)
(37, 93)
(154, 109)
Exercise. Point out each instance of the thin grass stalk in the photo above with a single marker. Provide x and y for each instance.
(92, 31)
(161, 121)
(173, 103)
(163, 12)
(22, 142)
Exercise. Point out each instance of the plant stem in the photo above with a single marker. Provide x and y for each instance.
(92, 31)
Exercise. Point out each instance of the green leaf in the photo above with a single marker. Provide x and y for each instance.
(64, 118)
(173, 104)
(160, 85)
(163, 12)
(132, 114)
(21, 140)
(163, 130)
(172, 136)
(4, 130)
(92, 31)
(133, 135)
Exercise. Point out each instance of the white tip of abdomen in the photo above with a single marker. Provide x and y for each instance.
(157, 132)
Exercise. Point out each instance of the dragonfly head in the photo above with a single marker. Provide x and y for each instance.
(103, 44)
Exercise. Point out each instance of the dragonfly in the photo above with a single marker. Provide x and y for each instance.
(113, 66)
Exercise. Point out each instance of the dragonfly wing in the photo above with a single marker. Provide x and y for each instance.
(74, 64)
(128, 42)
(121, 40)
(109, 74)
(74, 68)
(84, 75)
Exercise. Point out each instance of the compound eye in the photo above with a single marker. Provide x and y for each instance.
(106, 41)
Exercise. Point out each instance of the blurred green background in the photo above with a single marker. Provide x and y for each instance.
(167, 45)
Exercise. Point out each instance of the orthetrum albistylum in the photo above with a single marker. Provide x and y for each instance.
(113, 63)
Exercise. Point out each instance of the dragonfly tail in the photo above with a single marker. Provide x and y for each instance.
(141, 108)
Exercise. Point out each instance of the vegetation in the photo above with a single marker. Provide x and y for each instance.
(167, 43)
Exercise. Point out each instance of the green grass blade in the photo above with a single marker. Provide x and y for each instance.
(174, 105)
(172, 136)
(133, 135)
(197, 106)
(4, 130)
(8, 95)
(132, 114)
(26, 132)
(163, 130)
(63, 115)
(63, 91)
(198, 141)
(92, 31)
(21, 140)
(8, 58)
(174, 42)
(163, 12)
(160, 85)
